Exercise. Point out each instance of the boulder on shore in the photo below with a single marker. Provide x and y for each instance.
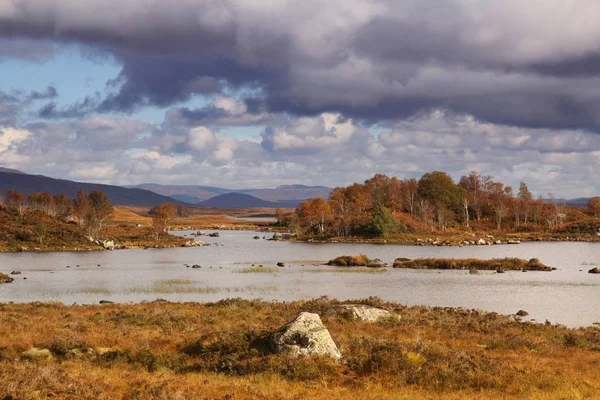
(304, 336)
(522, 313)
(360, 312)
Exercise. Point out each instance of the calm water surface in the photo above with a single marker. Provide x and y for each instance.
(568, 296)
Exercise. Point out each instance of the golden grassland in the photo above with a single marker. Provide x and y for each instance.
(200, 217)
(209, 351)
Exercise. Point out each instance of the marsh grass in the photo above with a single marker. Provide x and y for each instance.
(341, 270)
(93, 290)
(162, 287)
(257, 270)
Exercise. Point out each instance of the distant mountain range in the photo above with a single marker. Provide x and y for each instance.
(118, 195)
(281, 196)
(150, 195)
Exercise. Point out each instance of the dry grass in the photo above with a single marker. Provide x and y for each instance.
(357, 270)
(200, 218)
(166, 287)
(507, 264)
(258, 270)
(208, 351)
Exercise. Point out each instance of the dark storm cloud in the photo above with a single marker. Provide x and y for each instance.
(25, 49)
(504, 62)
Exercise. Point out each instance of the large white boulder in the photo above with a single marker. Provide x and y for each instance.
(304, 336)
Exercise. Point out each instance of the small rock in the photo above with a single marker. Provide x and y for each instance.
(280, 264)
(361, 312)
(16, 272)
(522, 313)
(500, 270)
(37, 354)
(481, 242)
(256, 237)
(106, 302)
(277, 236)
(196, 266)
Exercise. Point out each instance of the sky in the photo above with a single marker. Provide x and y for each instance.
(249, 94)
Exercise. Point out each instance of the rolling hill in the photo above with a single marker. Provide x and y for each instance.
(118, 195)
(238, 200)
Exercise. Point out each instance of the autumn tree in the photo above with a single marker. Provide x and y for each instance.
(163, 215)
(82, 208)
(476, 187)
(314, 214)
(593, 206)
(101, 210)
(522, 204)
(500, 199)
(410, 189)
(64, 205)
(441, 191)
(16, 201)
(43, 202)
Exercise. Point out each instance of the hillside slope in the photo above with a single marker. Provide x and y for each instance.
(238, 200)
(118, 195)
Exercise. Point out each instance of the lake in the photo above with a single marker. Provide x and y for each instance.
(568, 295)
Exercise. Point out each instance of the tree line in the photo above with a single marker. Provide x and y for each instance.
(91, 211)
(384, 205)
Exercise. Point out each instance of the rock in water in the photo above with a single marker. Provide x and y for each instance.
(595, 270)
(522, 313)
(5, 278)
(277, 236)
(306, 336)
(376, 263)
(361, 312)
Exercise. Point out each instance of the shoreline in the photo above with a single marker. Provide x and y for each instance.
(413, 240)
